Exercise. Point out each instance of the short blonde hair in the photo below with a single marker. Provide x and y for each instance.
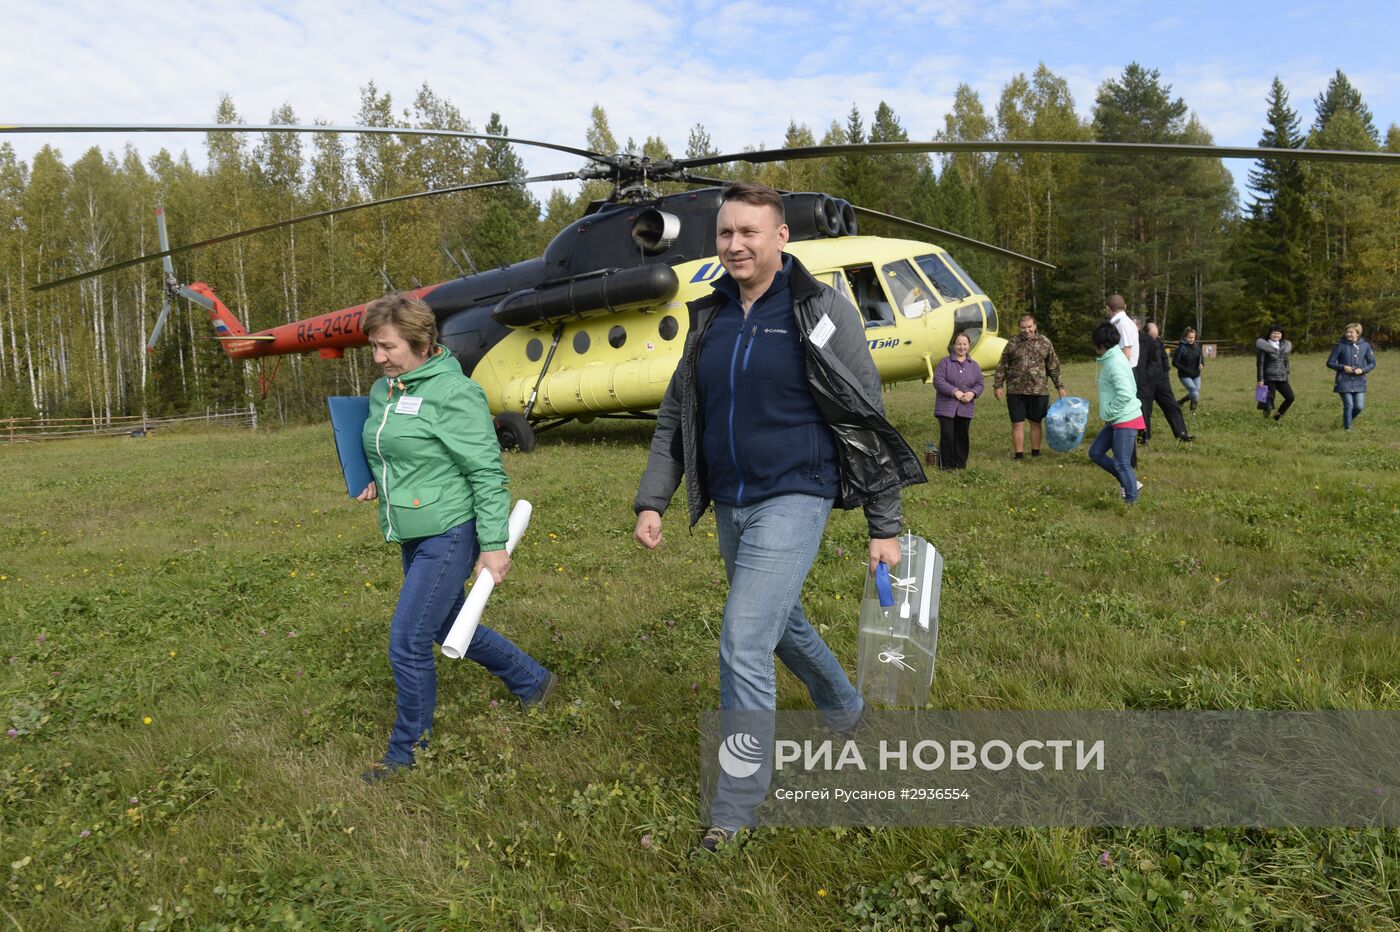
(409, 315)
(1356, 327)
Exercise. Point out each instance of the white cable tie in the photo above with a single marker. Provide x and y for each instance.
(896, 658)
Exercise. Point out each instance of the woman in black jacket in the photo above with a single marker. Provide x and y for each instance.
(1187, 361)
(1271, 365)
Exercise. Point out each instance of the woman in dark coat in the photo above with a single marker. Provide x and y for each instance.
(1271, 365)
(958, 382)
(1352, 359)
(1187, 362)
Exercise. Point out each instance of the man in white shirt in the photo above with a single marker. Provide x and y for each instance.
(1116, 310)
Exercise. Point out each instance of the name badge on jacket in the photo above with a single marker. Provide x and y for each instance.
(408, 404)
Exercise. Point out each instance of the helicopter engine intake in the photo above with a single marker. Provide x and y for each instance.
(654, 231)
(587, 297)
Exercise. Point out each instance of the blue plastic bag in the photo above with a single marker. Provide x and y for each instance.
(1064, 423)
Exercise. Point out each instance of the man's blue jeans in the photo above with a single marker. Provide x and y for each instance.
(1352, 403)
(768, 548)
(1120, 464)
(434, 572)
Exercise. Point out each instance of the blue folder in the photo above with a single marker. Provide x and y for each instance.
(348, 416)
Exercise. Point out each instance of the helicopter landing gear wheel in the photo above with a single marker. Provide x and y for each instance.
(513, 432)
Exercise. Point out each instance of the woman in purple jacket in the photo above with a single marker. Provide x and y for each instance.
(958, 382)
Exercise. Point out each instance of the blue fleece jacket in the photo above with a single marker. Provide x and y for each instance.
(763, 434)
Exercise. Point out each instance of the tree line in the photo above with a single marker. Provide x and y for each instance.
(1316, 245)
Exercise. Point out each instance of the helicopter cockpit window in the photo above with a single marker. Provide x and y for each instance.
(942, 277)
(990, 310)
(965, 277)
(870, 298)
(968, 320)
(910, 293)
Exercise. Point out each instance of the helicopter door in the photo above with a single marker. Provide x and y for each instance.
(870, 298)
(838, 283)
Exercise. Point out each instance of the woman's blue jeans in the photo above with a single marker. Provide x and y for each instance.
(1352, 403)
(1192, 384)
(768, 548)
(1122, 440)
(434, 572)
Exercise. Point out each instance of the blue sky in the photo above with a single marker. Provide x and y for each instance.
(743, 69)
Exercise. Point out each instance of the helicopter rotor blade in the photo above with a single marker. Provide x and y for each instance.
(192, 295)
(287, 128)
(956, 237)
(239, 234)
(1081, 148)
(160, 322)
(692, 178)
(165, 246)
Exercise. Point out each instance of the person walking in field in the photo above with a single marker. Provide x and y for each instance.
(774, 415)
(957, 380)
(1271, 363)
(1352, 359)
(1188, 364)
(1121, 411)
(443, 498)
(1153, 378)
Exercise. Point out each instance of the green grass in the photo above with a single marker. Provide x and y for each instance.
(220, 584)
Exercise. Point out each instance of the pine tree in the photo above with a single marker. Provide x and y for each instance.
(1349, 245)
(1148, 227)
(1273, 245)
(1027, 189)
(600, 139)
(853, 176)
(961, 204)
(507, 230)
(1341, 96)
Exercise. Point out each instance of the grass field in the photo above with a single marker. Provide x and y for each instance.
(193, 631)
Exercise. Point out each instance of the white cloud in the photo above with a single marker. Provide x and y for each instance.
(658, 67)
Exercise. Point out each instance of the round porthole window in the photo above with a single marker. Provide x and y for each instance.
(534, 350)
(617, 336)
(668, 328)
(581, 342)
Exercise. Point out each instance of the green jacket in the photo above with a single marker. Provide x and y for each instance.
(1118, 399)
(431, 445)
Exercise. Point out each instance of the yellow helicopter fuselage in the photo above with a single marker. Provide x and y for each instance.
(913, 297)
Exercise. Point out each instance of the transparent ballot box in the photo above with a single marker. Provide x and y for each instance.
(898, 636)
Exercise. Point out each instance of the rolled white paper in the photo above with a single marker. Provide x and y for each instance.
(459, 637)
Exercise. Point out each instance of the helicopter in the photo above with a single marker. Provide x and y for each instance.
(594, 327)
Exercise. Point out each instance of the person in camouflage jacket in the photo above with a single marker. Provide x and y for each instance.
(1026, 363)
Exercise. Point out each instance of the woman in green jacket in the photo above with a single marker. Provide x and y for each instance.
(443, 499)
(1121, 412)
